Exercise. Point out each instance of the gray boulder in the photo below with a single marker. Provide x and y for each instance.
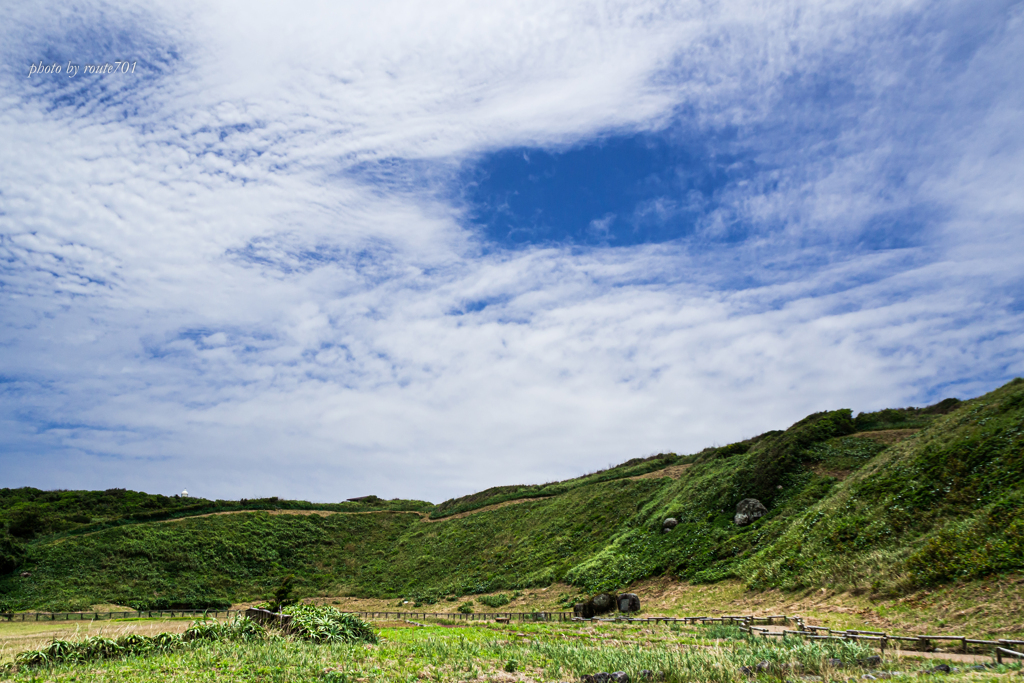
(669, 523)
(629, 602)
(599, 604)
(619, 677)
(748, 510)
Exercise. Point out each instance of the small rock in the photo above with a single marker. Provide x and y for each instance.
(748, 510)
(978, 667)
(669, 523)
(586, 678)
(646, 675)
(940, 669)
(746, 671)
(834, 663)
(25, 575)
(601, 677)
(873, 660)
(869, 677)
(620, 677)
(763, 665)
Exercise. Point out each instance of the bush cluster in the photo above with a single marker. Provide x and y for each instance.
(499, 600)
(326, 624)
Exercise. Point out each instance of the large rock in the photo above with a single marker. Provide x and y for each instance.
(629, 602)
(599, 604)
(748, 510)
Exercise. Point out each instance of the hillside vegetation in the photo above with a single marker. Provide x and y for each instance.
(884, 502)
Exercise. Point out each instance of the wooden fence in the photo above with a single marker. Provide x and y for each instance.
(470, 616)
(106, 616)
(198, 613)
(884, 640)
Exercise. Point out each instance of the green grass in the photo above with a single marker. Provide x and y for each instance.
(543, 652)
(547, 652)
(501, 494)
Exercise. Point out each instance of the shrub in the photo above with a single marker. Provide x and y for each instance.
(326, 624)
(499, 600)
(284, 594)
(11, 552)
(466, 607)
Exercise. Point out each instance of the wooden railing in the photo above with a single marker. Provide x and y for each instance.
(106, 616)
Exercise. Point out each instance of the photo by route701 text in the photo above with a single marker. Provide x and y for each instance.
(72, 69)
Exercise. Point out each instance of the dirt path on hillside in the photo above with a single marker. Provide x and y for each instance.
(321, 513)
(672, 472)
(886, 436)
(486, 508)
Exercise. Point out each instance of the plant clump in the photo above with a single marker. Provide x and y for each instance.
(96, 648)
(495, 601)
(326, 624)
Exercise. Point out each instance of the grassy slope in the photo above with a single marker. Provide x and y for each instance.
(222, 556)
(945, 504)
(243, 556)
(29, 513)
(845, 510)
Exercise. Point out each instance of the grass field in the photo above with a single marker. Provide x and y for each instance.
(508, 653)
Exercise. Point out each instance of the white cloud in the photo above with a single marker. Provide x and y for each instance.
(203, 287)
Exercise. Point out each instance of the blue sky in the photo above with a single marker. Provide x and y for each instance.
(324, 252)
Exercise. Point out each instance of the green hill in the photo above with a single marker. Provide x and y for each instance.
(886, 501)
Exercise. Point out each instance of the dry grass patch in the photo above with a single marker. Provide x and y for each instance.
(886, 436)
